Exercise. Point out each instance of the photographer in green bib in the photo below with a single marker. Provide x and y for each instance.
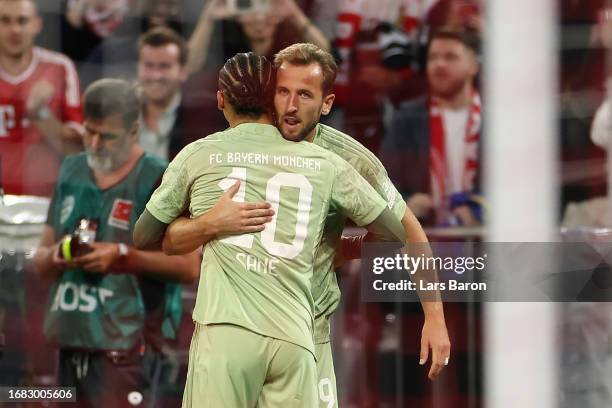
(112, 306)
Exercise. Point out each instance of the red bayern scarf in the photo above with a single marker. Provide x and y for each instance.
(438, 164)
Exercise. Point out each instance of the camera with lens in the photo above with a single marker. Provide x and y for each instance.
(401, 50)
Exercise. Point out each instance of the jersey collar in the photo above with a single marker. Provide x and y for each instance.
(16, 79)
(258, 130)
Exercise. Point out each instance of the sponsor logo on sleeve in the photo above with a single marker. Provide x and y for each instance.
(390, 193)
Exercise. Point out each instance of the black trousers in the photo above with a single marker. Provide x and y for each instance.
(101, 381)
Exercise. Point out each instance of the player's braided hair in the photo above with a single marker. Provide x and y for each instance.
(247, 81)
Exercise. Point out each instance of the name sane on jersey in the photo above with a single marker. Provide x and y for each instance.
(297, 162)
(252, 263)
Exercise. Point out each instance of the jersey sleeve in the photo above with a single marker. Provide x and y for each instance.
(171, 198)
(366, 164)
(352, 194)
(72, 113)
(380, 181)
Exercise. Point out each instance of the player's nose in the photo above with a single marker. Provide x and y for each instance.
(293, 103)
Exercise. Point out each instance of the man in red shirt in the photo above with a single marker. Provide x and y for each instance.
(40, 107)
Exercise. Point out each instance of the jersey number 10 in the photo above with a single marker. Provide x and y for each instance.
(273, 188)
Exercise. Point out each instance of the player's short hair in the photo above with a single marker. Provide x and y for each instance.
(247, 81)
(161, 36)
(469, 39)
(306, 54)
(107, 97)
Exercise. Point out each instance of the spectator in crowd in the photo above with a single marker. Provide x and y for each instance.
(264, 33)
(381, 45)
(585, 35)
(162, 59)
(100, 16)
(220, 34)
(115, 54)
(111, 306)
(589, 209)
(87, 23)
(40, 108)
(323, 14)
(432, 149)
(456, 15)
(378, 46)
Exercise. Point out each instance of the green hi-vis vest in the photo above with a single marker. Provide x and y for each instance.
(106, 311)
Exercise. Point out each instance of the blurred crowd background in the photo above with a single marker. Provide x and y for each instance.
(408, 88)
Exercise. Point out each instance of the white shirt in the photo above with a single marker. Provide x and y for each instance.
(455, 126)
(158, 143)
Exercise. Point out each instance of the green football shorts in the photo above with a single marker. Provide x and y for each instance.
(230, 366)
(328, 394)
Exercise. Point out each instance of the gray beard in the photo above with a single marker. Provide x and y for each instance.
(101, 164)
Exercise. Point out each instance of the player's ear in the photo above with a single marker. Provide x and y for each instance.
(328, 102)
(220, 100)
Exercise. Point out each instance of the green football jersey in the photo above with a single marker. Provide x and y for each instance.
(325, 290)
(263, 281)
